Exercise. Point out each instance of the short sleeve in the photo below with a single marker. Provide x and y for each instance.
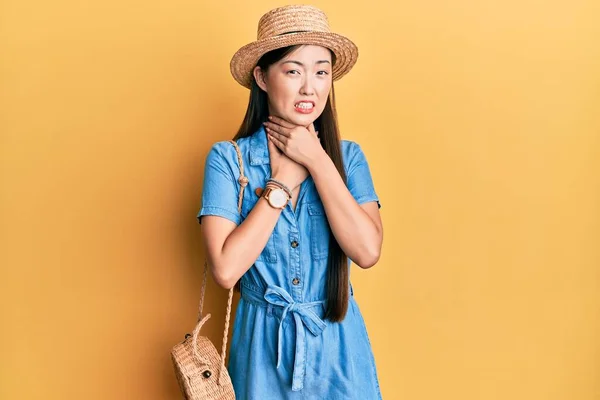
(220, 187)
(359, 180)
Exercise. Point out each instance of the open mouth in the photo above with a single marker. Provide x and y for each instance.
(304, 106)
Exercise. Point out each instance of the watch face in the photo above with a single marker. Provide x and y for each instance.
(278, 197)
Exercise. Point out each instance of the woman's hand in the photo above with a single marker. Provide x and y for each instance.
(285, 169)
(299, 143)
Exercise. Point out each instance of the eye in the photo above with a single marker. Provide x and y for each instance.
(294, 70)
(324, 73)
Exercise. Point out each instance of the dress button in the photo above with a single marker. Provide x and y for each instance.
(294, 244)
(296, 281)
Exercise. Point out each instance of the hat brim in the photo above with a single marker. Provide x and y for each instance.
(244, 60)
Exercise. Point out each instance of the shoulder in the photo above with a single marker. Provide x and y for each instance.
(224, 151)
(221, 158)
(351, 148)
(352, 154)
(222, 148)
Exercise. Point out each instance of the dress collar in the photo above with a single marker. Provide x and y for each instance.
(259, 148)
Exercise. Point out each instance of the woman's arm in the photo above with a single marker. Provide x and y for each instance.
(356, 227)
(234, 245)
(231, 248)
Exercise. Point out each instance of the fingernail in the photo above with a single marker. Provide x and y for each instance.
(270, 117)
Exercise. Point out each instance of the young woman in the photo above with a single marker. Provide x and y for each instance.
(308, 209)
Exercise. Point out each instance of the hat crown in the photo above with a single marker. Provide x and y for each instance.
(291, 26)
(288, 19)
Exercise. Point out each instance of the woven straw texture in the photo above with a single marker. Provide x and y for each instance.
(292, 25)
(201, 372)
(198, 380)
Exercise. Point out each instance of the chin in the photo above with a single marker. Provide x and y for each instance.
(303, 119)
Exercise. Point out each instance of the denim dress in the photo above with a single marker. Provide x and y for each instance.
(281, 346)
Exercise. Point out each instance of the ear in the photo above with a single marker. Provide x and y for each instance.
(259, 77)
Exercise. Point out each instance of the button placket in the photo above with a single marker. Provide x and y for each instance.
(295, 272)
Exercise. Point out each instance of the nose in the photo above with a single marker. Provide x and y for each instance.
(307, 88)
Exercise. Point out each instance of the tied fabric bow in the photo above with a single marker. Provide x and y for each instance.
(304, 316)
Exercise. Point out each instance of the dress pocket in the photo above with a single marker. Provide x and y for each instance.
(268, 254)
(319, 231)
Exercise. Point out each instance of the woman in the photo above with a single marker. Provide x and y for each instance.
(308, 208)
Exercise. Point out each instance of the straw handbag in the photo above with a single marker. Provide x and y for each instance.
(201, 373)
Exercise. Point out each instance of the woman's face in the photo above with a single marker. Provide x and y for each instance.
(298, 85)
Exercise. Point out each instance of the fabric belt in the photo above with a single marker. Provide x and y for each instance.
(304, 318)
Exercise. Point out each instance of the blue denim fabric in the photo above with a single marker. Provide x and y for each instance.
(282, 348)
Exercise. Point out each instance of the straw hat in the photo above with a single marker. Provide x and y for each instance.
(292, 25)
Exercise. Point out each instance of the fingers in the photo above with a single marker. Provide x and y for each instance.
(281, 130)
(274, 128)
(280, 145)
(281, 121)
(283, 138)
(271, 146)
(273, 150)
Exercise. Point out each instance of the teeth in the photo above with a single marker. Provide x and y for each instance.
(304, 105)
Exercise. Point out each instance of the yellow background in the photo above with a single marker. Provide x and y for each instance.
(480, 120)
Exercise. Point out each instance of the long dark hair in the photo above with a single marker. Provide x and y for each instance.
(337, 264)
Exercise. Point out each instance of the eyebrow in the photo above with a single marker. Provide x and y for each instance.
(302, 65)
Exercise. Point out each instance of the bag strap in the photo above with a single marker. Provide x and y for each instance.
(243, 181)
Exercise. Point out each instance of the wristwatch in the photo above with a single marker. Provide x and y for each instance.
(277, 197)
